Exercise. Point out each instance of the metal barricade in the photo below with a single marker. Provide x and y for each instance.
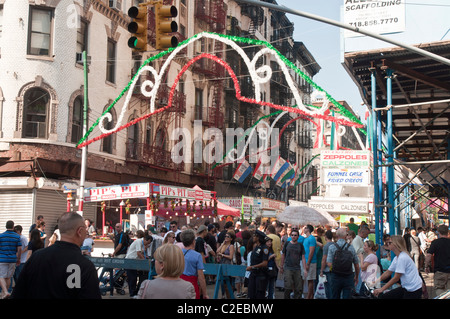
(223, 272)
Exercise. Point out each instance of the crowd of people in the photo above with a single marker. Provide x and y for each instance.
(295, 258)
(301, 261)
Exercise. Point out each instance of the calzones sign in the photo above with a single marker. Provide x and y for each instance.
(333, 206)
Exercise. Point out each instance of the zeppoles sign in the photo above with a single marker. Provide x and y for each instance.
(340, 207)
(345, 159)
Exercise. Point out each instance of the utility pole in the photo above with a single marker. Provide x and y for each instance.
(84, 149)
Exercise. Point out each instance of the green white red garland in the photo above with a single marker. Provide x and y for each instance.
(254, 74)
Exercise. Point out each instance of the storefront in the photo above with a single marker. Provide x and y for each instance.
(22, 199)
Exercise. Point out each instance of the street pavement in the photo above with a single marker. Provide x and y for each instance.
(279, 294)
(105, 247)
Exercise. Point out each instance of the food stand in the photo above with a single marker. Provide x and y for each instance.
(161, 200)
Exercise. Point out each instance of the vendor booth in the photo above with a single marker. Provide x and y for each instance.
(251, 208)
(160, 200)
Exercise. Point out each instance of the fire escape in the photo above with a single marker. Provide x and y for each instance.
(155, 151)
(212, 14)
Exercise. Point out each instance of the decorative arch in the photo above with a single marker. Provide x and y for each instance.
(51, 112)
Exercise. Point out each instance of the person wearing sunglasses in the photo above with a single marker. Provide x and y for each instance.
(173, 229)
(404, 270)
(292, 255)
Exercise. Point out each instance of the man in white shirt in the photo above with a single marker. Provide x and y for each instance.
(358, 245)
(23, 258)
(136, 251)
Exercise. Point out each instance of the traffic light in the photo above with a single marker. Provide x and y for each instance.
(164, 26)
(138, 28)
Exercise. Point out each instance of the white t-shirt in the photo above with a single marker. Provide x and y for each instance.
(423, 241)
(404, 265)
(24, 241)
(88, 243)
(137, 245)
(358, 245)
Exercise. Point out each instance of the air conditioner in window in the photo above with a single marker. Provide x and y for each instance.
(79, 57)
(115, 4)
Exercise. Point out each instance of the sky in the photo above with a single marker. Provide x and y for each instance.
(324, 42)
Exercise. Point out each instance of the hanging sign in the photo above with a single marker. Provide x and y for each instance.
(182, 192)
(335, 206)
(97, 194)
(345, 159)
(377, 16)
(351, 177)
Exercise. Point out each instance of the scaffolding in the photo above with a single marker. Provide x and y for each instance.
(408, 96)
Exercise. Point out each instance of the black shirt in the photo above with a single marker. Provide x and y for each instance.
(259, 254)
(120, 239)
(58, 272)
(211, 241)
(440, 248)
(200, 245)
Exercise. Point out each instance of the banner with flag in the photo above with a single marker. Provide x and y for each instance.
(244, 169)
(259, 171)
(280, 166)
(285, 175)
(289, 173)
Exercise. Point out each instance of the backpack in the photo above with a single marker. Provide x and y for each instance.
(343, 260)
(126, 240)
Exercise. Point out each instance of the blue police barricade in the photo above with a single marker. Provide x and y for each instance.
(223, 273)
(113, 270)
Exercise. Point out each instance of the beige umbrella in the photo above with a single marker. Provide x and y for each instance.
(303, 215)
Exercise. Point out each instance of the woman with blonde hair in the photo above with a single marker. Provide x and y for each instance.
(404, 270)
(169, 265)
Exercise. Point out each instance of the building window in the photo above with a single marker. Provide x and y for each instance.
(35, 113)
(1, 21)
(82, 37)
(148, 133)
(111, 62)
(133, 141)
(107, 146)
(77, 120)
(198, 104)
(109, 142)
(40, 31)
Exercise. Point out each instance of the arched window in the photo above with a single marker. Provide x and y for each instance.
(160, 139)
(107, 146)
(77, 119)
(109, 142)
(133, 141)
(35, 113)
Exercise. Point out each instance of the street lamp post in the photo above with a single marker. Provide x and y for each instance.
(122, 203)
(85, 60)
